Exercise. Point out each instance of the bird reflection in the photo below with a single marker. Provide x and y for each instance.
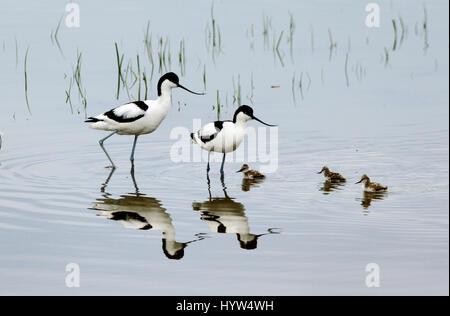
(138, 211)
(247, 184)
(225, 215)
(369, 196)
(330, 186)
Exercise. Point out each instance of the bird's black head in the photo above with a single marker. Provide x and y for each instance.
(247, 115)
(245, 109)
(248, 244)
(177, 255)
(171, 76)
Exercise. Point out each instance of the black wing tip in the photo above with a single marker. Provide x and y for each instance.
(92, 120)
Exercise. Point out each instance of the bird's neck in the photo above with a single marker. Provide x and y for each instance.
(165, 97)
(241, 123)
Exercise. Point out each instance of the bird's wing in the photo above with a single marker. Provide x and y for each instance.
(127, 113)
(337, 176)
(208, 132)
(379, 187)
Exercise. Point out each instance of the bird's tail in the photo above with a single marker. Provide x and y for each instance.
(193, 138)
(92, 120)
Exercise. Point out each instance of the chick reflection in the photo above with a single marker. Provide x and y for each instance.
(137, 211)
(367, 198)
(330, 186)
(224, 215)
(247, 184)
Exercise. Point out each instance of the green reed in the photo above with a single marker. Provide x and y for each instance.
(332, 44)
(346, 70)
(119, 60)
(426, 44)
(403, 29)
(394, 25)
(386, 57)
(267, 25)
(55, 36)
(182, 57)
(204, 76)
(68, 94)
(291, 35)
(144, 79)
(26, 79)
(311, 36)
(237, 90)
(218, 105)
(213, 35)
(77, 79)
(139, 76)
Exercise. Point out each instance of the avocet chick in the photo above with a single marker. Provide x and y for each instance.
(331, 176)
(371, 186)
(250, 174)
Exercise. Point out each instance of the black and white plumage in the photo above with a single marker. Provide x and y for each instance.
(225, 136)
(138, 117)
(226, 215)
(137, 211)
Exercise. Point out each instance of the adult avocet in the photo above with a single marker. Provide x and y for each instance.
(225, 136)
(138, 117)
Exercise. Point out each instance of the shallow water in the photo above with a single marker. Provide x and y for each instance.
(59, 205)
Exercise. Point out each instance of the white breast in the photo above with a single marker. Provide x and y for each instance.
(228, 139)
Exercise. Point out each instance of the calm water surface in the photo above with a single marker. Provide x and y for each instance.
(167, 229)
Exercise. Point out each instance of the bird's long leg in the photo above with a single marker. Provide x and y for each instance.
(105, 184)
(223, 162)
(207, 166)
(132, 151)
(224, 187)
(134, 180)
(101, 145)
(208, 181)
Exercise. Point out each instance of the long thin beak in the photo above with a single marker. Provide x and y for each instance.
(180, 86)
(319, 172)
(257, 119)
(242, 169)
(358, 182)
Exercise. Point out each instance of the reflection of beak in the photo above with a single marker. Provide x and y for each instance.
(200, 236)
(257, 119)
(269, 231)
(359, 181)
(180, 86)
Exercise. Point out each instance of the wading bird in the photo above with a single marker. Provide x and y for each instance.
(250, 174)
(225, 136)
(331, 176)
(371, 186)
(138, 117)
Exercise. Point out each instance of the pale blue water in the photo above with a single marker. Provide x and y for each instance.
(391, 123)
